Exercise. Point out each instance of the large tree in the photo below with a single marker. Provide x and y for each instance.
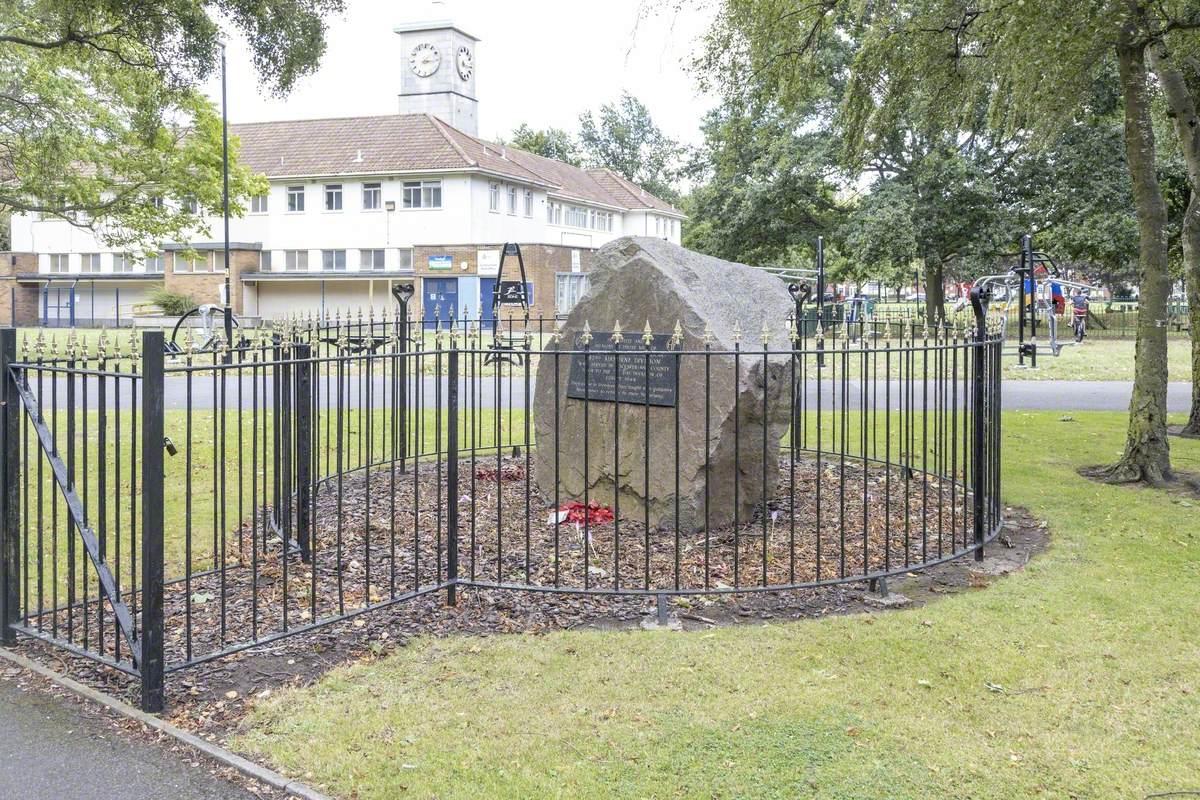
(550, 143)
(1031, 65)
(624, 138)
(100, 115)
(1178, 76)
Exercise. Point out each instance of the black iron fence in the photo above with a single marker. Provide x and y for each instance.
(161, 511)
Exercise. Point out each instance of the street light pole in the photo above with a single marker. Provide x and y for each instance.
(225, 202)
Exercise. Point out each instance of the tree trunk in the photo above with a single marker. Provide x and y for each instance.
(935, 290)
(1147, 455)
(1192, 427)
(1182, 105)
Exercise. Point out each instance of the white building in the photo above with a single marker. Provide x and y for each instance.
(357, 204)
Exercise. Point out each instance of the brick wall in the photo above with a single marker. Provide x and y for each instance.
(25, 297)
(204, 287)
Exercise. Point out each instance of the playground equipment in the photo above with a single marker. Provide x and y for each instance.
(508, 346)
(1033, 284)
(211, 316)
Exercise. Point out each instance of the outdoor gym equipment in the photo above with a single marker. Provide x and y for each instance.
(210, 336)
(1032, 301)
(507, 347)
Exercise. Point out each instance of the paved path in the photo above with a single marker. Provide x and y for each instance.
(54, 750)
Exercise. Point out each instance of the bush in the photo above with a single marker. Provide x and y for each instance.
(171, 303)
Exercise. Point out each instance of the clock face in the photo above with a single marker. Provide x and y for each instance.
(424, 60)
(466, 63)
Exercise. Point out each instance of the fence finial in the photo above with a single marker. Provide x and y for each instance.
(765, 335)
(707, 337)
(676, 336)
(737, 332)
(647, 334)
(585, 338)
(617, 337)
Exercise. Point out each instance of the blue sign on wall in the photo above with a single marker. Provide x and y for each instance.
(441, 262)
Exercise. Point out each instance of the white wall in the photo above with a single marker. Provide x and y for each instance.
(464, 218)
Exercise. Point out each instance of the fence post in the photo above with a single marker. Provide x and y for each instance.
(979, 304)
(10, 501)
(403, 293)
(452, 471)
(303, 406)
(150, 642)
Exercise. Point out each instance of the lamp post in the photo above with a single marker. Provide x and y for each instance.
(225, 208)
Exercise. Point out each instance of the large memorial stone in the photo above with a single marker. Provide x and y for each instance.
(640, 279)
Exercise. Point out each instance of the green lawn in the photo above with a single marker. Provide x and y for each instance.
(1099, 360)
(1078, 677)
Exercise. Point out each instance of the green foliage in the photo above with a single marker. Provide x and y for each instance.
(625, 139)
(173, 304)
(103, 120)
(552, 143)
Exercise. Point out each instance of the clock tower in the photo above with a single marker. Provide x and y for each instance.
(438, 72)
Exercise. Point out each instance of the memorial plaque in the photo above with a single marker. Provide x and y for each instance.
(595, 376)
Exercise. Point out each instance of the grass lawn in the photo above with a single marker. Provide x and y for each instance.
(1099, 360)
(1078, 677)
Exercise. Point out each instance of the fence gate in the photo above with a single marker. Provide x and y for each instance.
(82, 503)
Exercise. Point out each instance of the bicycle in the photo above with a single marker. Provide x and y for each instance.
(1079, 325)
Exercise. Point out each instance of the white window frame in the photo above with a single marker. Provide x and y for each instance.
(333, 197)
(372, 196)
(154, 264)
(191, 205)
(494, 197)
(62, 260)
(512, 199)
(264, 260)
(370, 266)
(89, 263)
(295, 199)
(568, 288)
(295, 261)
(122, 263)
(329, 260)
(259, 203)
(405, 259)
(529, 202)
(417, 195)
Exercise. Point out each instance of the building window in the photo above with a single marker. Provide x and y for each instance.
(529, 202)
(422, 194)
(199, 262)
(512, 199)
(372, 194)
(370, 259)
(258, 204)
(577, 217)
(89, 262)
(333, 260)
(569, 287)
(264, 260)
(406, 259)
(218, 260)
(122, 262)
(493, 197)
(156, 201)
(190, 205)
(658, 226)
(60, 262)
(295, 195)
(295, 260)
(333, 197)
(154, 263)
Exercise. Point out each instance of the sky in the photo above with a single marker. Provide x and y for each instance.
(541, 62)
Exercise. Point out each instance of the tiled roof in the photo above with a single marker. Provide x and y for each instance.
(415, 143)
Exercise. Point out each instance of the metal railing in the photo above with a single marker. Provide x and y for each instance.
(164, 511)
